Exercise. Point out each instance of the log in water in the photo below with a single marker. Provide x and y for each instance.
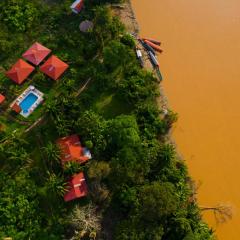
(200, 62)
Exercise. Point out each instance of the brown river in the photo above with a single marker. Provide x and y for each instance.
(201, 69)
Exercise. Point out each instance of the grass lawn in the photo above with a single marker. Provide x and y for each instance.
(111, 105)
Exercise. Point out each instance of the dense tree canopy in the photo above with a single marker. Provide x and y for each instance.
(19, 15)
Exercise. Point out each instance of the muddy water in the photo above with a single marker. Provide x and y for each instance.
(201, 68)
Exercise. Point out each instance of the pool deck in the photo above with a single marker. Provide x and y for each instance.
(19, 99)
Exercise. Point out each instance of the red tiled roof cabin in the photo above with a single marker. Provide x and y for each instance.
(77, 6)
(72, 150)
(54, 67)
(16, 108)
(20, 71)
(36, 53)
(77, 187)
(2, 98)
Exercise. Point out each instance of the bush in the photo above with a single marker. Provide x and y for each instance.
(128, 40)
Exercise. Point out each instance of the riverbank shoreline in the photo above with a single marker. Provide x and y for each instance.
(127, 16)
(162, 100)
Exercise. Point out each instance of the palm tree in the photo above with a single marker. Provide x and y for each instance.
(13, 138)
(55, 184)
(62, 127)
(52, 153)
(51, 108)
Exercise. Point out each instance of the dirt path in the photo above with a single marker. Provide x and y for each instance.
(35, 123)
(83, 87)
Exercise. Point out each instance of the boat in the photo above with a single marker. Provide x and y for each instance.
(153, 59)
(159, 74)
(140, 57)
(147, 47)
(155, 64)
(154, 46)
(153, 41)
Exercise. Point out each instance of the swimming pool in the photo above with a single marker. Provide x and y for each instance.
(27, 102)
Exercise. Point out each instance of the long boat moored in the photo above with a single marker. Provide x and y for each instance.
(153, 41)
(147, 47)
(153, 59)
(154, 46)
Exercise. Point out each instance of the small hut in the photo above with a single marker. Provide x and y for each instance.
(20, 71)
(54, 67)
(16, 108)
(2, 98)
(77, 187)
(36, 53)
(77, 6)
(72, 150)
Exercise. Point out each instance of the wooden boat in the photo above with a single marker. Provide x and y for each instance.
(155, 65)
(147, 47)
(140, 57)
(159, 74)
(153, 41)
(153, 59)
(154, 46)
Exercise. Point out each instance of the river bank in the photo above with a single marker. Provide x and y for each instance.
(127, 15)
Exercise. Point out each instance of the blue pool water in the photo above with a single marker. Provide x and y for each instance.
(28, 102)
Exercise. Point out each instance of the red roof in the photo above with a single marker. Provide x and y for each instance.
(20, 71)
(77, 187)
(2, 98)
(16, 108)
(71, 149)
(36, 53)
(77, 6)
(54, 67)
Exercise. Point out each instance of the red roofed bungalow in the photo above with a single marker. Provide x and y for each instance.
(36, 53)
(54, 67)
(2, 98)
(20, 71)
(77, 6)
(77, 187)
(71, 150)
(16, 108)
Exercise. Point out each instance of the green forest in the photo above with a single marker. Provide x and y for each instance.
(139, 189)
